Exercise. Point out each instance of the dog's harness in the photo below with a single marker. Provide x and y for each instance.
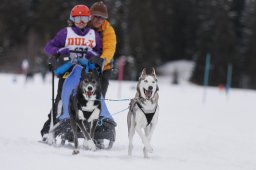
(148, 114)
(87, 114)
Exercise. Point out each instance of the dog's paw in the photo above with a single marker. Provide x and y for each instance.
(130, 150)
(149, 149)
(50, 139)
(85, 144)
(145, 152)
(75, 152)
(89, 144)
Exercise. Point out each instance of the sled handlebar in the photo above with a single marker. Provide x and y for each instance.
(78, 52)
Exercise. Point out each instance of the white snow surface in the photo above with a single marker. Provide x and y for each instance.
(219, 134)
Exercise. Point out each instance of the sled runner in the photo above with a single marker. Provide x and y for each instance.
(105, 129)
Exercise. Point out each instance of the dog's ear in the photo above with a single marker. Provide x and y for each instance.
(153, 73)
(143, 73)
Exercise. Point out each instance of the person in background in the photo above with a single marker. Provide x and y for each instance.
(25, 66)
(26, 70)
(77, 37)
(99, 16)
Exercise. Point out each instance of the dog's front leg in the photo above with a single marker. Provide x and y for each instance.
(93, 119)
(93, 127)
(74, 129)
(145, 141)
(80, 124)
(151, 129)
(152, 126)
(131, 131)
(88, 142)
(51, 135)
(51, 139)
(148, 132)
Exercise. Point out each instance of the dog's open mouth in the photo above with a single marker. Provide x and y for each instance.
(148, 93)
(89, 93)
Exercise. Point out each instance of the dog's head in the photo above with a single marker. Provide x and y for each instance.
(147, 86)
(89, 83)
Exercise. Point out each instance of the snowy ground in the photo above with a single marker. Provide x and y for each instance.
(219, 134)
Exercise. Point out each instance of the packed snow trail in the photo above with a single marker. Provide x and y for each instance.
(216, 135)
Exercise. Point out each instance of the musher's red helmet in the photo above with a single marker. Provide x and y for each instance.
(80, 10)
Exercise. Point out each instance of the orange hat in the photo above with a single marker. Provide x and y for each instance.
(80, 10)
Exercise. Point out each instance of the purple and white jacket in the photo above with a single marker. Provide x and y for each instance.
(75, 38)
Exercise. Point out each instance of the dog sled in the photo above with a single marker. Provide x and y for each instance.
(105, 128)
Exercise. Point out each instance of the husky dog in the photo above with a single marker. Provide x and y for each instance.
(85, 105)
(143, 111)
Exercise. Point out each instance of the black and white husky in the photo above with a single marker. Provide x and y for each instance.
(85, 105)
(143, 112)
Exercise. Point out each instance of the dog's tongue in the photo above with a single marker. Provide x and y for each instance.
(89, 93)
(148, 93)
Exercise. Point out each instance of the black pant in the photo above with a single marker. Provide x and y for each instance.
(46, 126)
(105, 81)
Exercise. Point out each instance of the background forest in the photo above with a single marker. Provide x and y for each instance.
(149, 33)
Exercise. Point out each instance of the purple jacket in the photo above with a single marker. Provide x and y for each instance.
(59, 40)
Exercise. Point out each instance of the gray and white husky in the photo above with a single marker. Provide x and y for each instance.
(143, 111)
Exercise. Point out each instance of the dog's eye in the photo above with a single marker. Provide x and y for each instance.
(93, 81)
(86, 81)
(145, 81)
(153, 81)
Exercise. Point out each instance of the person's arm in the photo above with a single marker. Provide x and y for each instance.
(56, 43)
(108, 43)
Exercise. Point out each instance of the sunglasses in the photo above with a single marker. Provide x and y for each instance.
(99, 17)
(79, 19)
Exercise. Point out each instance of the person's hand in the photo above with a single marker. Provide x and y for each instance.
(63, 51)
(97, 61)
(90, 54)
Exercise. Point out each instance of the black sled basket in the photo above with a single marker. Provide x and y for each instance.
(105, 129)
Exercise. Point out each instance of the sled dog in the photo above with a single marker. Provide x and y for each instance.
(85, 105)
(143, 111)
